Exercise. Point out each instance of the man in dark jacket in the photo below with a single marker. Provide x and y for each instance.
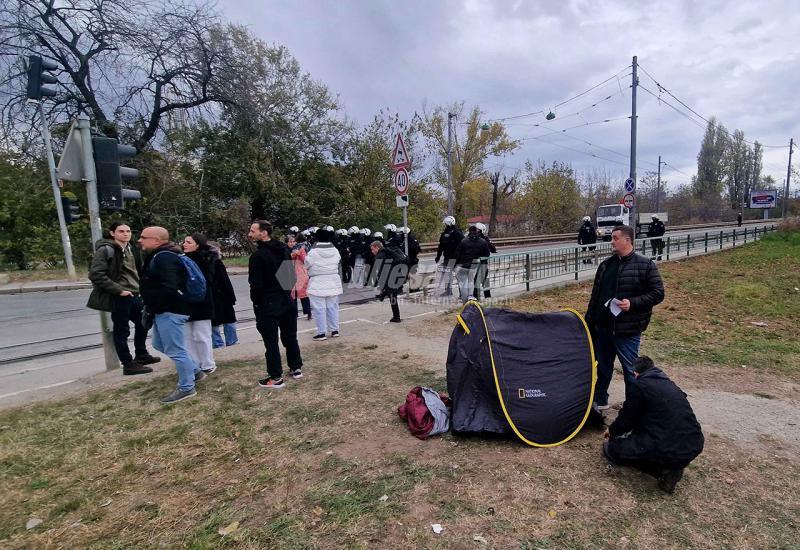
(483, 273)
(629, 285)
(450, 238)
(163, 286)
(115, 271)
(656, 229)
(472, 256)
(587, 234)
(272, 276)
(390, 275)
(656, 430)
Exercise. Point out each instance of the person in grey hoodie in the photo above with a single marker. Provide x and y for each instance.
(324, 284)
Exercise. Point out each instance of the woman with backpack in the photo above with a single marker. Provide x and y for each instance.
(198, 327)
(324, 284)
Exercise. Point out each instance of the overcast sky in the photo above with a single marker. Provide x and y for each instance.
(737, 61)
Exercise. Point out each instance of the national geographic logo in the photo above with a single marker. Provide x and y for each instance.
(531, 394)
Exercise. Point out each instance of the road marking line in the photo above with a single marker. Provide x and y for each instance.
(38, 388)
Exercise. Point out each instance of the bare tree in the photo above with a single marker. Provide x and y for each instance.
(499, 192)
(126, 64)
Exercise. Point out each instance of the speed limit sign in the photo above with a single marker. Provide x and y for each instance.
(401, 181)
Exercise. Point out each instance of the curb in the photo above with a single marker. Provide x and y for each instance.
(23, 288)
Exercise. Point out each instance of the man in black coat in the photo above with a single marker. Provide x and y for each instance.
(656, 229)
(450, 238)
(163, 288)
(632, 283)
(587, 234)
(390, 274)
(472, 256)
(272, 276)
(656, 430)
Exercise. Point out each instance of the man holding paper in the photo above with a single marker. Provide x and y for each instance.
(626, 287)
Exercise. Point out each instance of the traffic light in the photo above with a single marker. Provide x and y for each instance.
(38, 76)
(107, 153)
(71, 209)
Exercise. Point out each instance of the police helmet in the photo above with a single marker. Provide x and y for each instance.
(449, 220)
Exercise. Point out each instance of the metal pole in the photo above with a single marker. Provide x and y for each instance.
(634, 84)
(784, 210)
(658, 184)
(62, 224)
(450, 163)
(112, 362)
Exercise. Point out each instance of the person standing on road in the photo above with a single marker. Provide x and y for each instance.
(271, 276)
(739, 219)
(656, 430)
(163, 285)
(224, 300)
(657, 229)
(632, 283)
(114, 273)
(470, 252)
(483, 274)
(390, 275)
(587, 234)
(298, 250)
(324, 284)
(450, 238)
(198, 327)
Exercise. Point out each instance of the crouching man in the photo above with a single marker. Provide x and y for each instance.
(656, 430)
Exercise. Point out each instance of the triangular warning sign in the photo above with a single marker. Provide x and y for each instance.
(400, 155)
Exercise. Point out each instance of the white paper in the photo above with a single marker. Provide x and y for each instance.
(613, 306)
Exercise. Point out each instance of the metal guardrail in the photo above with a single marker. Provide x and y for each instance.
(523, 268)
(556, 237)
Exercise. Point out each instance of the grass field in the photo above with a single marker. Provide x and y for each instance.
(309, 467)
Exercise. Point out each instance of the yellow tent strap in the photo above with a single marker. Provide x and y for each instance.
(497, 381)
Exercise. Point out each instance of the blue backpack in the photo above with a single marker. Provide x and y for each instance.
(195, 286)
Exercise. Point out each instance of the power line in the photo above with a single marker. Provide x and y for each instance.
(573, 98)
(662, 88)
(562, 117)
(580, 151)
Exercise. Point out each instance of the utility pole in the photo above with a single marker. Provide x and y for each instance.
(90, 178)
(658, 184)
(51, 164)
(784, 210)
(634, 84)
(450, 117)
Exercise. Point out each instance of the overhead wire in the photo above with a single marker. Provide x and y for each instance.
(566, 101)
(661, 87)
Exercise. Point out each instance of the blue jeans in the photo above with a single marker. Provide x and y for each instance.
(231, 337)
(168, 338)
(466, 282)
(607, 348)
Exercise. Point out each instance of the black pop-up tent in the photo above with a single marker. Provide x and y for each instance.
(532, 374)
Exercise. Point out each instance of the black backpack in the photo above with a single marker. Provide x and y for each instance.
(397, 255)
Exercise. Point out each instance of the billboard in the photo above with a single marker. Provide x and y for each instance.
(764, 199)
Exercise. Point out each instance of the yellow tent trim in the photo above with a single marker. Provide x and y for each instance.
(497, 381)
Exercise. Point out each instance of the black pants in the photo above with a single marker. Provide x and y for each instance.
(278, 316)
(127, 310)
(658, 247)
(651, 467)
(305, 303)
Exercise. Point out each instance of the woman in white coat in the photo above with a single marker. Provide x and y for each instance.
(324, 284)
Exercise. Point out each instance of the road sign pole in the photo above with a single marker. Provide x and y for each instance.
(90, 177)
(62, 224)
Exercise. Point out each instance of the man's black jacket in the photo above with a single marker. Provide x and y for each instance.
(587, 234)
(640, 282)
(471, 249)
(270, 272)
(663, 425)
(448, 241)
(656, 229)
(163, 281)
